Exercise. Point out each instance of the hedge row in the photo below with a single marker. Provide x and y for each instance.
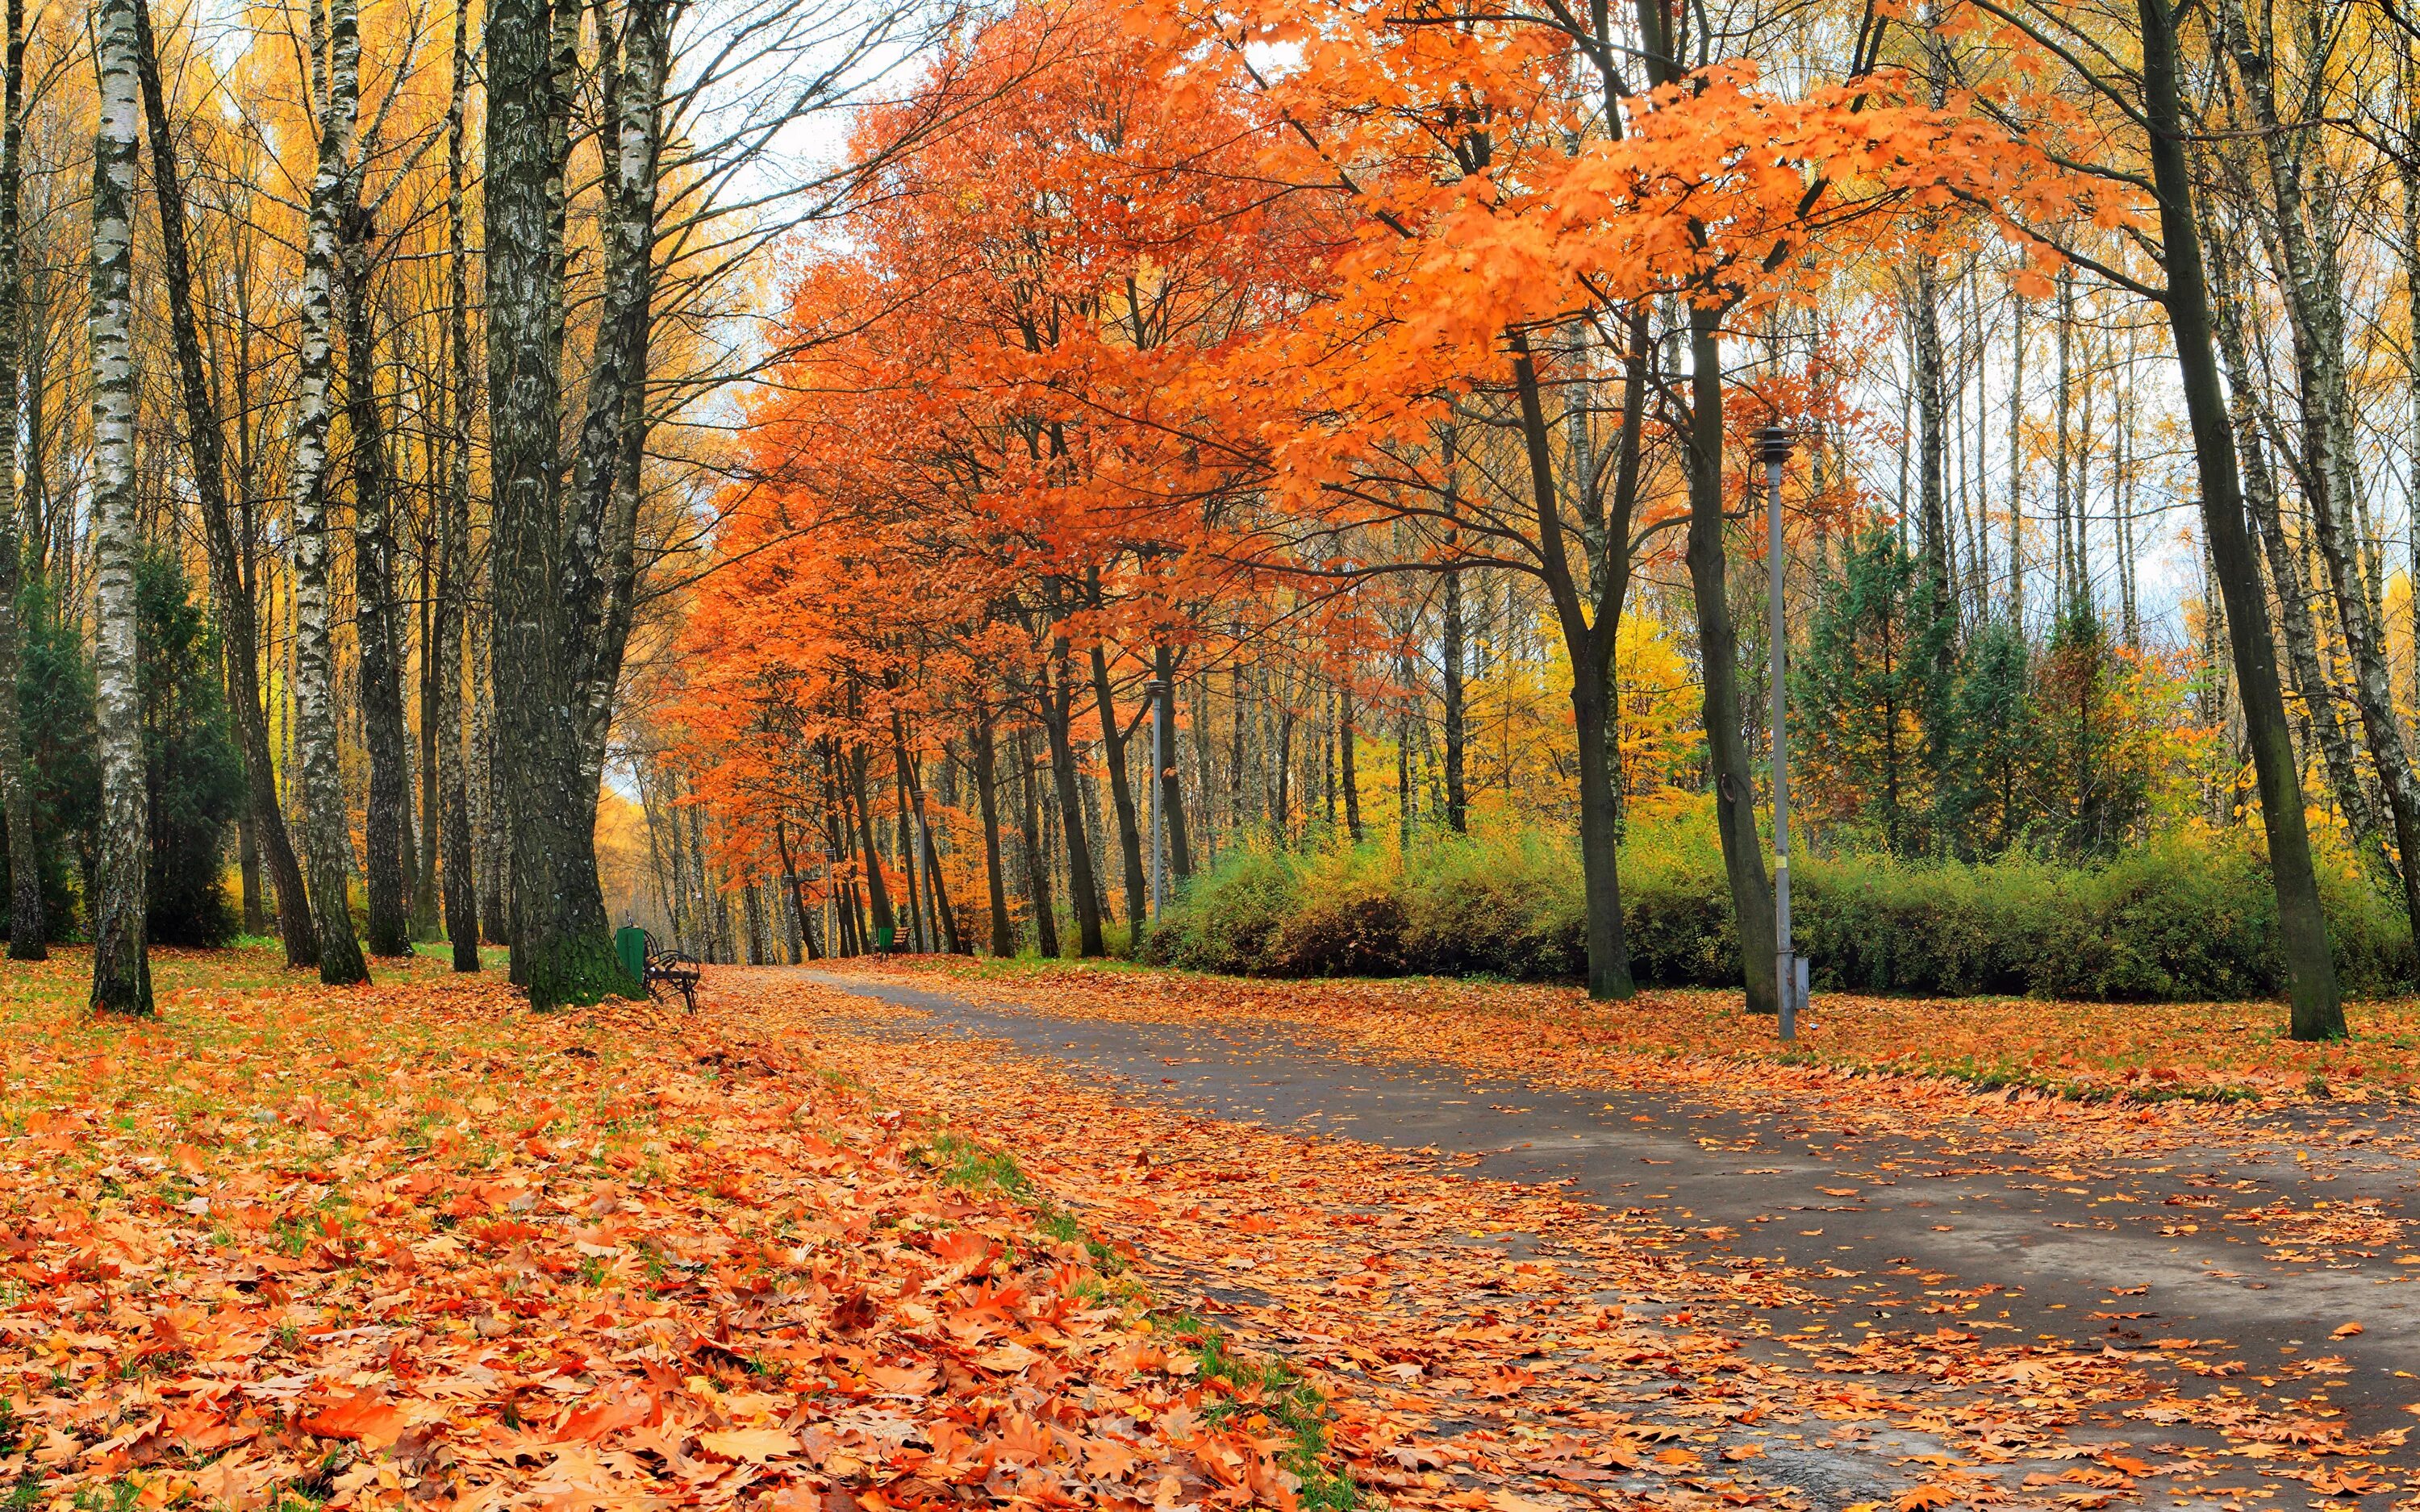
(2186, 918)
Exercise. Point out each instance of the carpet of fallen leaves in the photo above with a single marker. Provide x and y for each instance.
(288, 1246)
(2139, 1052)
(411, 1243)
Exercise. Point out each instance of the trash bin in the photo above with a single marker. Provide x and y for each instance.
(630, 944)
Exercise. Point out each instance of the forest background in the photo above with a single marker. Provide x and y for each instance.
(781, 544)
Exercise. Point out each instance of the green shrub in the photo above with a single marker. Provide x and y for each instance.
(2187, 916)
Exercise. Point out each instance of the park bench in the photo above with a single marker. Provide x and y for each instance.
(661, 966)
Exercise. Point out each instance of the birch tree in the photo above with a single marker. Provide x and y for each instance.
(121, 968)
(323, 797)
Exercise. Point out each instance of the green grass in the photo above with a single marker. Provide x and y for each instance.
(1266, 1384)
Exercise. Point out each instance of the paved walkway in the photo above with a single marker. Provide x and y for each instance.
(2175, 1259)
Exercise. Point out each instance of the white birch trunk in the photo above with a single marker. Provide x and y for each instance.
(121, 972)
(323, 797)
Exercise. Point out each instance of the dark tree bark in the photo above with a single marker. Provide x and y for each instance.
(2317, 1011)
(1171, 785)
(1590, 636)
(454, 548)
(1718, 649)
(878, 891)
(1038, 862)
(1113, 755)
(543, 578)
(388, 866)
(1054, 701)
(205, 449)
(1453, 650)
(1003, 936)
(1347, 737)
(25, 923)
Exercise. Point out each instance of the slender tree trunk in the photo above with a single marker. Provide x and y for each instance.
(1588, 644)
(206, 448)
(1451, 650)
(1349, 736)
(754, 909)
(376, 613)
(491, 826)
(26, 926)
(323, 798)
(1718, 649)
(454, 550)
(2314, 301)
(1057, 709)
(1113, 755)
(2284, 569)
(1003, 936)
(2016, 462)
(1037, 868)
(795, 926)
(1171, 783)
(2317, 1012)
(121, 968)
(877, 890)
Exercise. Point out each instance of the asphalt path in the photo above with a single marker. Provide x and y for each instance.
(1954, 1225)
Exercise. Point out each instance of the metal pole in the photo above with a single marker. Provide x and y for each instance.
(1785, 966)
(1159, 718)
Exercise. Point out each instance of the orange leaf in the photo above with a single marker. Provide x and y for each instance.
(365, 1417)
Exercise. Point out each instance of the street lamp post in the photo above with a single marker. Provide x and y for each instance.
(1788, 981)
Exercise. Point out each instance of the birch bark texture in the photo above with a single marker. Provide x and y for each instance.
(121, 970)
(323, 798)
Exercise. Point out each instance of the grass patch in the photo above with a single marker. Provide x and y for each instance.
(1265, 1384)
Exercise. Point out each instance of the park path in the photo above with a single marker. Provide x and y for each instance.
(2194, 1316)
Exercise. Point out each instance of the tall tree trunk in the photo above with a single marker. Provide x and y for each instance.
(563, 946)
(121, 966)
(25, 922)
(2016, 462)
(1172, 784)
(1718, 649)
(206, 448)
(1589, 641)
(491, 827)
(1348, 735)
(453, 550)
(1113, 755)
(1452, 650)
(1003, 936)
(1037, 865)
(2286, 571)
(2314, 301)
(1056, 704)
(798, 928)
(314, 694)
(2317, 1012)
(877, 890)
(613, 431)
(377, 615)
